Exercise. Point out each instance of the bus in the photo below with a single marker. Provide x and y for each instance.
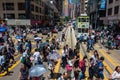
(82, 25)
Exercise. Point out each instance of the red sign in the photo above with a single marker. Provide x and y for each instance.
(36, 22)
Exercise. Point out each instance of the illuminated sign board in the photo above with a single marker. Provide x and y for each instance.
(102, 4)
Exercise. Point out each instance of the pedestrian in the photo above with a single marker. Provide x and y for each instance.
(11, 54)
(63, 37)
(69, 67)
(91, 68)
(76, 61)
(82, 66)
(36, 57)
(2, 62)
(81, 38)
(100, 65)
(95, 57)
(64, 57)
(77, 45)
(116, 73)
(7, 62)
(24, 72)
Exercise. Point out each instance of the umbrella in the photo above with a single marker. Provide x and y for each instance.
(37, 70)
(37, 38)
(18, 37)
(54, 56)
(3, 29)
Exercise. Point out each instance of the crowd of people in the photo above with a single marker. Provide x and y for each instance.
(75, 66)
(7, 52)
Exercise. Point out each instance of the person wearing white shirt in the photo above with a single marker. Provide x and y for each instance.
(116, 73)
(95, 57)
(2, 59)
(36, 57)
(64, 61)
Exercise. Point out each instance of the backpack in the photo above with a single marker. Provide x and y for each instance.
(52, 47)
(81, 64)
(96, 69)
(23, 60)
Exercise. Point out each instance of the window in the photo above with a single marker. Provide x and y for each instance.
(40, 10)
(82, 30)
(110, 11)
(83, 19)
(36, 9)
(21, 16)
(9, 16)
(36, 17)
(21, 6)
(8, 6)
(32, 7)
(32, 16)
(110, 1)
(116, 10)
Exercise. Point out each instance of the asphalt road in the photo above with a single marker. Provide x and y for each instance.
(15, 68)
(111, 60)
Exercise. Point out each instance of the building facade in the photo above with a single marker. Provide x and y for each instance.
(34, 10)
(97, 12)
(65, 8)
(82, 7)
(17, 9)
(113, 15)
(113, 11)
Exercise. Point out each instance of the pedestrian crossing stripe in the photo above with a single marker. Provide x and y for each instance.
(86, 72)
(13, 66)
(57, 66)
(108, 57)
(105, 77)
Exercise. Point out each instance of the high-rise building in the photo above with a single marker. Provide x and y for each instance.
(113, 11)
(97, 12)
(65, 8)
(34, 10)
(113, 14)
(83, 6)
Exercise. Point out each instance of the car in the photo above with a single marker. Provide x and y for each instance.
(54, 31)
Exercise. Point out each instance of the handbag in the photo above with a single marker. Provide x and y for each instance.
(68, 67)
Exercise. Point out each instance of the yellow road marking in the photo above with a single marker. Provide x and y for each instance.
(106, 66)
(18, 55)
(57, 67)
(80, 54)
(86, 72)
(109, 58)
(18, 62)
(13, 66)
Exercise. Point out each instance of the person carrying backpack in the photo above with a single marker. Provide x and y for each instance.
(82, 66)
(98, 69)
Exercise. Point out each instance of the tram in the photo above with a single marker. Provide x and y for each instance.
(83, 24)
